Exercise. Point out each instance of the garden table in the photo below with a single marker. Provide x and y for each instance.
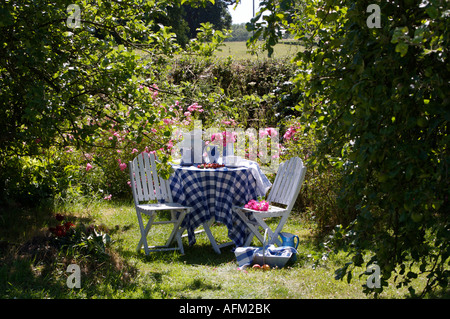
(211, 193)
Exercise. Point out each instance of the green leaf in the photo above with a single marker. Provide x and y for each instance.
(399, 33)
(402, 48)
(432, 12)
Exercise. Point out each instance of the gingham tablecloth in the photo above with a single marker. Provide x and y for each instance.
(212, 193)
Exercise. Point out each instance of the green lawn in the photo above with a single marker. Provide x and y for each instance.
(199, 273)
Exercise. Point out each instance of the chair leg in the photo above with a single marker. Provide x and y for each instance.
(277, 231)
(252, 226)
(212, 240)
(273, 234)
(249, 239)
(177, 231)
(180, 241)
(144, 231)
(208, 232)
(175, 234)
(176, 225)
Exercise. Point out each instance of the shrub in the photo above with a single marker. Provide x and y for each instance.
(318, 199)
(73, 239)
(384, 120)
(255, 93)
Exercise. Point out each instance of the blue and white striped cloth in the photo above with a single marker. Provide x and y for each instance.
(212, 193)
(245, 255)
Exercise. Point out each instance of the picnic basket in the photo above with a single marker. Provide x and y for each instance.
(278, 260)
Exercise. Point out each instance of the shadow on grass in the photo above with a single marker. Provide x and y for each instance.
(37, 270)
(33, 265)
(203, 254)
(198, 254)
(30, 267)
(18, 224)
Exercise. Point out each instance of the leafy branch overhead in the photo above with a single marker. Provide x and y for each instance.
(54, 77)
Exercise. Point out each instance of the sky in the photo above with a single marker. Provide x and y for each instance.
(244, 11)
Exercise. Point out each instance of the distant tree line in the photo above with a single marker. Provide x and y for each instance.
(186, 19)
(239, 33)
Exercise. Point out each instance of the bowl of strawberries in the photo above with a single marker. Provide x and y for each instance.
(210, 166)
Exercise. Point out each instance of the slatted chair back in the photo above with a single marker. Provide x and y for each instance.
(145, 181)
(287, 184)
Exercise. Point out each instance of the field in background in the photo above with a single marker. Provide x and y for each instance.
(239, 50)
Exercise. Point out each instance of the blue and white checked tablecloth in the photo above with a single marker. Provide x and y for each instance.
(213, 192)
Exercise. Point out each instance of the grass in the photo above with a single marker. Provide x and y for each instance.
(26, 271)
(238, 50)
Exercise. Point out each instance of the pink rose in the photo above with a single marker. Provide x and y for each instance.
(259, 206)
(271, 131)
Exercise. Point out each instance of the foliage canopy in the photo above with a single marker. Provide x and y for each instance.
(57, 76)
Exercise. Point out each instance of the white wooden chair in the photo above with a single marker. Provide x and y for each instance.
(284, 192)
(147, 186)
